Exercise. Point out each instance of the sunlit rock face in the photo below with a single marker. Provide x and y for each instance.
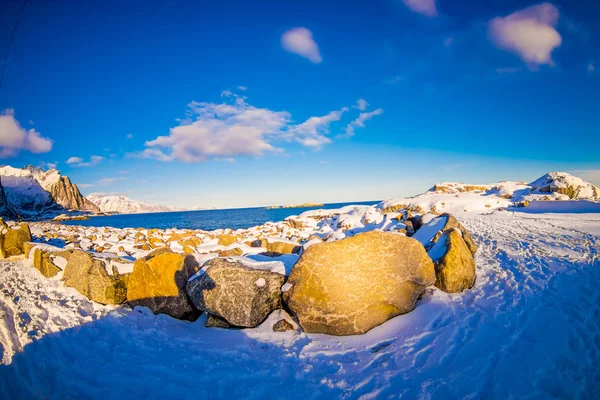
(350, 286)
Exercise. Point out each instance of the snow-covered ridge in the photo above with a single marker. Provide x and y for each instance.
(124, 205)
(456, 197)
(32, 192)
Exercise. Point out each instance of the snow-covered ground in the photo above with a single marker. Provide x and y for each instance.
(530, 328)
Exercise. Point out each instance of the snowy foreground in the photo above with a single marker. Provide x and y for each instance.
(530, 328)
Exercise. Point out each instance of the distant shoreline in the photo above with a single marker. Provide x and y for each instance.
(303, 205)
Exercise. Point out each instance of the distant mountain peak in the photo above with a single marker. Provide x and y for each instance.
(118, 203)
(31, 192)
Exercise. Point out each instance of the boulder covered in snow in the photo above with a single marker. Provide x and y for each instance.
(50, 263)
(241, 295)
(454, 264)
(350, 286)
(90, 277)
(12, 240)
(430, 232)
(158, 283)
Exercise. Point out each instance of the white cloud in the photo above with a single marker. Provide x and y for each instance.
(360, 122)
(74, 160)
(129, 136)
(448, 42)
(222, 131)
(107, 181)
(79, 162)
(425, 7)
(591, 67)
(242, 88)
(48, 165)
(529, 33)
(300, 41)
(313, 132)
(84, 185)
(13, 138)
(361, 104)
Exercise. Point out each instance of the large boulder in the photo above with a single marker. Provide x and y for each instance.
(12, 241)
(454, 264)
(241, 295)
(90, 277)
(429, 233)
(158, 282)
(452, 223)
(350, 286)
(50, 263)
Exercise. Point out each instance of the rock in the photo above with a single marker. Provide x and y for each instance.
(27, 247)
(227, 239)
(416, 222)
(217, 322)
(410, 229)
(65, 193)
(454, 264)
(158, 282)
(90, 278)
(281, 247)
(452, 223)
(282, 326)
(12, 243)
(352, 285)
(43, 261)
(236, 251)
(243, 296)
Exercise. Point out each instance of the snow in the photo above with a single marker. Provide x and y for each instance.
(260, 282)
(429, 230)
(528, 329)
(124, 205)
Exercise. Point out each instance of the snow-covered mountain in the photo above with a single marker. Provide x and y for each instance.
(32, 192)
(455, 197)
(124, 205)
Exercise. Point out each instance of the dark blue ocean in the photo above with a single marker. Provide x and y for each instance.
(205, 219)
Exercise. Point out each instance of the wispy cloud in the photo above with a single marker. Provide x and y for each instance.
(359, 122)
(107, 181)
(313, 132)
(591, 67)
(300, 41)
(424, 7)
(84, 185)
(129, 136)
(14, 138)
(80, 162)
(361, 104)
(530, 33)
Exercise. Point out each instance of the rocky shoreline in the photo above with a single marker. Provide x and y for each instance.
(339, 272)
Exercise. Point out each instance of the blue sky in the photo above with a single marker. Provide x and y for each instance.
(243, 103)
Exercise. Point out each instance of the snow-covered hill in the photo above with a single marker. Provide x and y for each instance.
(454, 197)
(124, 205)
(32, 192)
